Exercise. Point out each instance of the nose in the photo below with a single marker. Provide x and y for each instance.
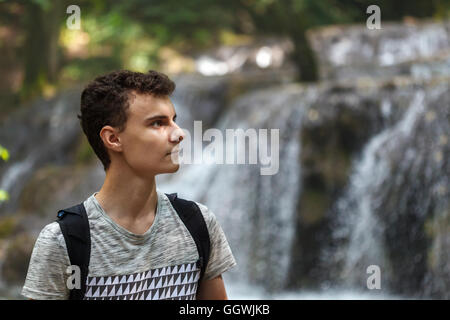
(177, 134)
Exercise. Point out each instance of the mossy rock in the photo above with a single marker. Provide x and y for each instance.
(17, 258)
(324, 158)
(43, 186)
(437, 229)
(7, 226)
(313, 206)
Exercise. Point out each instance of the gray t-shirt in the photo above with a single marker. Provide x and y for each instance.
(159, 264)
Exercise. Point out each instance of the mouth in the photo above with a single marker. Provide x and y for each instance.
(173, 152)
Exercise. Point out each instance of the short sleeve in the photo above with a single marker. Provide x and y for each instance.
(46, 277)
(221, 258)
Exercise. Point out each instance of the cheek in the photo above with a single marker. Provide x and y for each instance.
(142, 151)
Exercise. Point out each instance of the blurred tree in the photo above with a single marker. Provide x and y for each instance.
(189, 25)
(137, 29)
(293, 18)
(42, 22)
(399, 9)
(195, 24)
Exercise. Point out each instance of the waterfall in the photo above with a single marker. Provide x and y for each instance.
(364, 221)
(355, 210)
(44, 134)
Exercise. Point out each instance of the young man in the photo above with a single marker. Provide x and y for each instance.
(140, 248)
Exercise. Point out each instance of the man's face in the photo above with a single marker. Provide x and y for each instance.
(150, 135)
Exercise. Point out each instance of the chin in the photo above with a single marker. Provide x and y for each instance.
(173, 168)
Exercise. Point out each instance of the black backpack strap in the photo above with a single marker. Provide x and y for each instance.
(192, 217)
(74, 225)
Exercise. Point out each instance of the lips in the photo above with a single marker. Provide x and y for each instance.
(173, 151)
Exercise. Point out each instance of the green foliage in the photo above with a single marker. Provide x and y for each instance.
(86, 69)
(4, 154)
(44, 4)
(131, 34)
(4, 196)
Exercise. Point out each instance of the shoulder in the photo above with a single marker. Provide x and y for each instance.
(221, 258)
(211, 220)
(51, 235)
(208, 215)
(52, 228)
(46, 276)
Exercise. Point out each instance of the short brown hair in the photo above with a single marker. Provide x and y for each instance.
(105, 100)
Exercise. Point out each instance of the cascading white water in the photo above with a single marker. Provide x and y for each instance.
(15, 172)
(355, 210)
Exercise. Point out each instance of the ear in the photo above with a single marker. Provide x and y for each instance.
(110, 138)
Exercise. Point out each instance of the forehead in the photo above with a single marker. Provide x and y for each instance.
(144, 105)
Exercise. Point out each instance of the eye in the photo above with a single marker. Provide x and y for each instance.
(156, 123)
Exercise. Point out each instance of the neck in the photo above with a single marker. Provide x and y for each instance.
(126, 196)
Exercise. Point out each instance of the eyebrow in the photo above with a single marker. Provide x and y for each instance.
(159, 116)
